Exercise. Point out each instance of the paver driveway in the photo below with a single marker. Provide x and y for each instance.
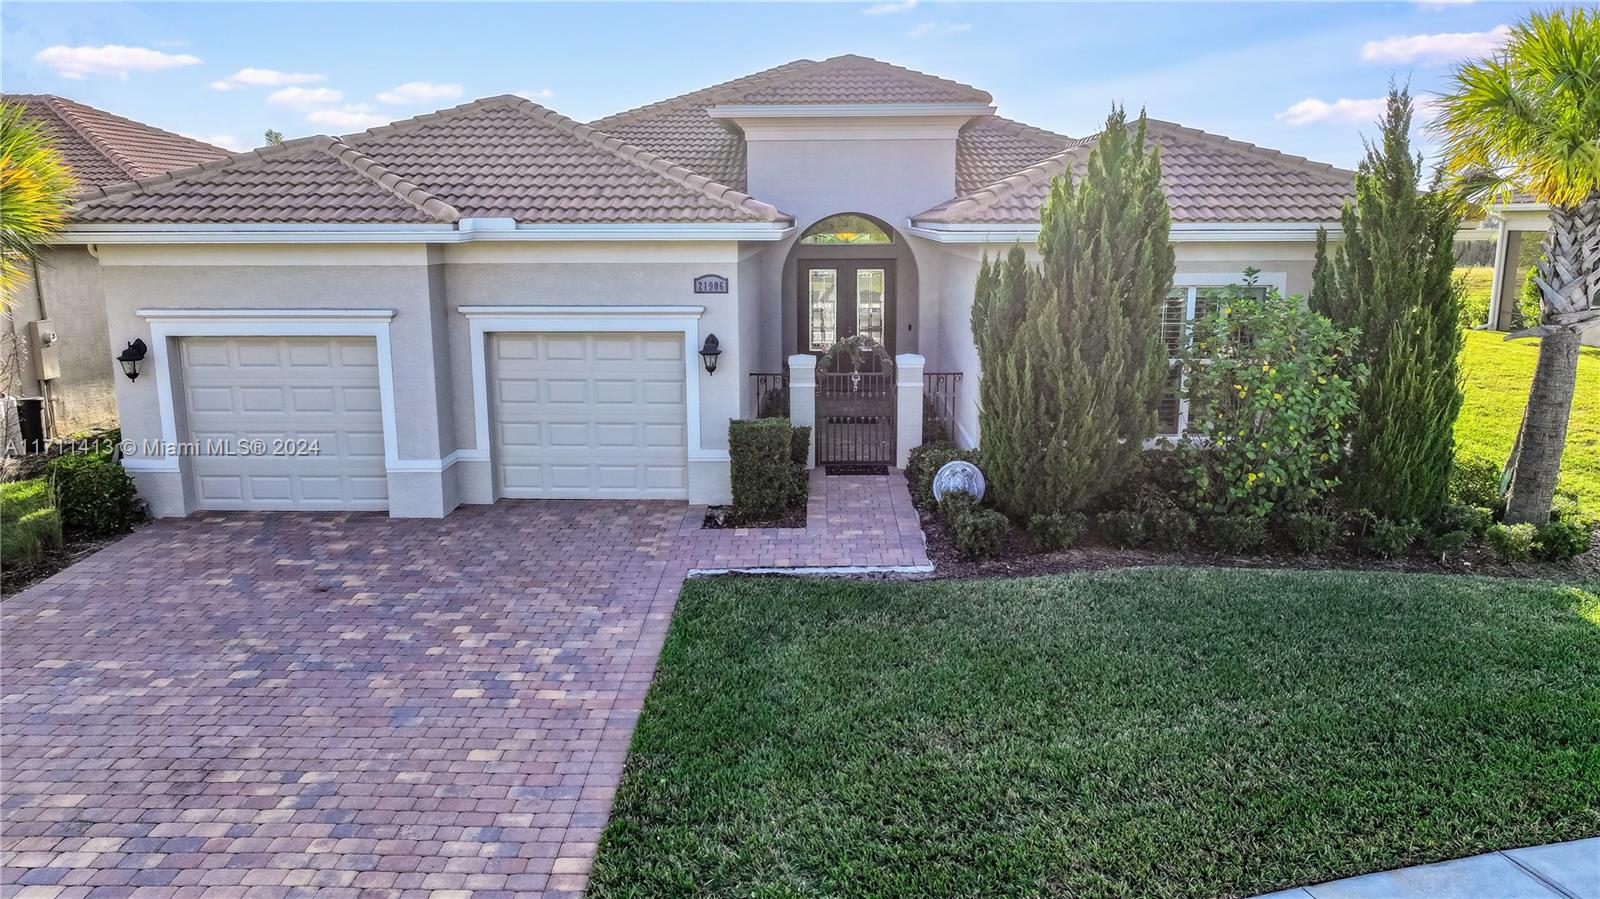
(352, 705)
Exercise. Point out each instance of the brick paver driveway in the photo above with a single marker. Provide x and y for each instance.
(351, 705)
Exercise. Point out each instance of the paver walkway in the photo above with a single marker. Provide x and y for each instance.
(352, 705)
(1558, 871)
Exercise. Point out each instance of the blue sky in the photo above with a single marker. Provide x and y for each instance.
(1300, 77)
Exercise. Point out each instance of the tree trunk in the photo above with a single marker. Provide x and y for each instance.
(1544, 431)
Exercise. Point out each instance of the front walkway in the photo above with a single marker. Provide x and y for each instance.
(1558, 871)
(352, 705)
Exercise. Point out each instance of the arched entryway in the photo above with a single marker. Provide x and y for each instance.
(850, 274)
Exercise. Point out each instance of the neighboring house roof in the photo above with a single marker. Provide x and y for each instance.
(500, 157)
(1208, 179)
(101, 148)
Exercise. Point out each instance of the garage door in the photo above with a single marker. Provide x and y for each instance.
(311, 403)
(589, 415)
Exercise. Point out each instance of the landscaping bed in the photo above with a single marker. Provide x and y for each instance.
(1156, 733)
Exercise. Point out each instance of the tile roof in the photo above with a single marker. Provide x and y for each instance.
(1208, 178)
(500, 157)
(990, 148)
(102, 148)
(852, 79)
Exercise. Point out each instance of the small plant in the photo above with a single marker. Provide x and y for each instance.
(1169, 528)
(1460, 517)
(95, 496)
(980, 532)
(1448, 543)
(956, 504)
(1237, 533)
(1310, 533)
(1475, 481)
(1388, 539)
(1123, 528)
(1562, 539)
(1512, 542)
(1058, 530)
(916, 461)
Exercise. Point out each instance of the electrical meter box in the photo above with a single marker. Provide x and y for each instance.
(42, 340)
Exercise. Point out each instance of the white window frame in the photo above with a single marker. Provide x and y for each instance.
(1191, 283)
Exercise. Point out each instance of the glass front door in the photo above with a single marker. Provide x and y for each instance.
(842, 298)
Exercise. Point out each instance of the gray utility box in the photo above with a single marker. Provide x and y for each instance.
(42, 340)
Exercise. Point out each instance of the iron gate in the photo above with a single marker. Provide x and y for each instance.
(855, 405)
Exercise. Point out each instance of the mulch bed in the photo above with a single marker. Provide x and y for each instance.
(720, 517)
(16, 578)
(1020, 557)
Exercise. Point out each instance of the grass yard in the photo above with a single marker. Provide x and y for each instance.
(1150, 733)
(1496, 376)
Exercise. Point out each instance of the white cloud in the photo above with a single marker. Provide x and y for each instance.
(1435, 49)
(304, 97)
(537, 96)
(225, 141)
(264, 78)
(938, 29)
(350, 117)
(413, 92)
(112, 59)
(1311, 111)
(883, 9)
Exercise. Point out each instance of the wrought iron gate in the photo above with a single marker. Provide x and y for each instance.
(855, 405)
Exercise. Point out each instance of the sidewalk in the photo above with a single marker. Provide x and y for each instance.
(1557, 871)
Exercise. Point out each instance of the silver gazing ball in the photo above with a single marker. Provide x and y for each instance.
(958, 477)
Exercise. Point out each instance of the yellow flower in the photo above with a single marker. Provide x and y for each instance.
(1277, 396)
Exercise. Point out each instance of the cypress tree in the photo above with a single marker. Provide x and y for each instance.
(1070, 351)
(1392, 277)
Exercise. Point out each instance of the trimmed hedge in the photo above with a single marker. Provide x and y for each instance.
(980, 532)
(1058, 530)
(767, 462)
(95, 496)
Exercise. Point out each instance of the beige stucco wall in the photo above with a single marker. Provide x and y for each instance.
(72, 299)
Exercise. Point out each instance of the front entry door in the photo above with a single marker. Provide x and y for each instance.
(841, 298)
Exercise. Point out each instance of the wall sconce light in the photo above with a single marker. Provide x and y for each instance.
(131, 357)
(709, 353)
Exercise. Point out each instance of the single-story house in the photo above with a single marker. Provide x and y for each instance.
(496, 301)
(73, 372)
(1515, 224)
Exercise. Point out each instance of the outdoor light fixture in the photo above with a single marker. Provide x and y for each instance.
(710, 352)
(131, 357)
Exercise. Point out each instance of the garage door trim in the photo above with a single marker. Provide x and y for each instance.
(167, 325)
(485, 320)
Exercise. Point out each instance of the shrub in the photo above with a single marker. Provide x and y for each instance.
(1236, 533)
(1169, 527)
(1269, 385)
(1512, 542)
(1311, 533)
(955, 505)
(916, 460)
(799, 452)
(1448, 543)
(1460, 517)
(1475, 481)
(1070, 352)
(1562, 539)
(932, 462)
(1123, 528)
(1057, 531)
(1388, 539)
(980, 532)
(761, 458)
(29, 524)
(95, 496)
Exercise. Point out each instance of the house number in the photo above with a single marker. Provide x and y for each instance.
(711, 284)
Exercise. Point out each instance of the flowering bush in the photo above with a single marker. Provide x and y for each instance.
(1268, 382)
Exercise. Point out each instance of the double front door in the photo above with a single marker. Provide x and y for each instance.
(843, 298)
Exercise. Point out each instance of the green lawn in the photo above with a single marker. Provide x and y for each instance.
(1496, 374)
(1150, 733)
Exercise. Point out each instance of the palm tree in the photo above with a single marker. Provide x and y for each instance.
(35, 195)
(1528, 119)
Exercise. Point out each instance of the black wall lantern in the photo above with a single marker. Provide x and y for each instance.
(131, 357)
(710, 352)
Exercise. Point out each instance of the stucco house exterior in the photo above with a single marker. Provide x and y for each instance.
(100, 149)
(1514, 225)
(496, 301)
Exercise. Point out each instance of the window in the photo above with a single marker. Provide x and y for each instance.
(1183, 306)
(869, 303)
(846, 230)
(824, 318)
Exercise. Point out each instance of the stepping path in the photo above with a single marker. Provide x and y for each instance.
(343, 706)
(1557, 871)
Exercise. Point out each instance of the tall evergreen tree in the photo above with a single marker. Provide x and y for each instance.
(1393, 279)
(1070, 351)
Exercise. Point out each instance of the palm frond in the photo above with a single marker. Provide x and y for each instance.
(35, 194)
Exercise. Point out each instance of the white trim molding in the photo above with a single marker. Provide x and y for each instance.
(485, 320)
(465, 231)
(167, 325)
(1222, 232)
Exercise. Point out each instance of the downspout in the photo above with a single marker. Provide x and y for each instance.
(44, 386)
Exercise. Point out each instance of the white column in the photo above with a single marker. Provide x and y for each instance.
(908, 406)
(1496, 290)
(803, 399)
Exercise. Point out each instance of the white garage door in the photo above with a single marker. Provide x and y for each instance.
(313, 400)
(589, 415)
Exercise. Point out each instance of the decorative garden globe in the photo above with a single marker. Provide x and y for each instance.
(958, 477)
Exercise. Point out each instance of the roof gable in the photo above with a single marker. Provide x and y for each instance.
(852, 80)
(101, 148)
